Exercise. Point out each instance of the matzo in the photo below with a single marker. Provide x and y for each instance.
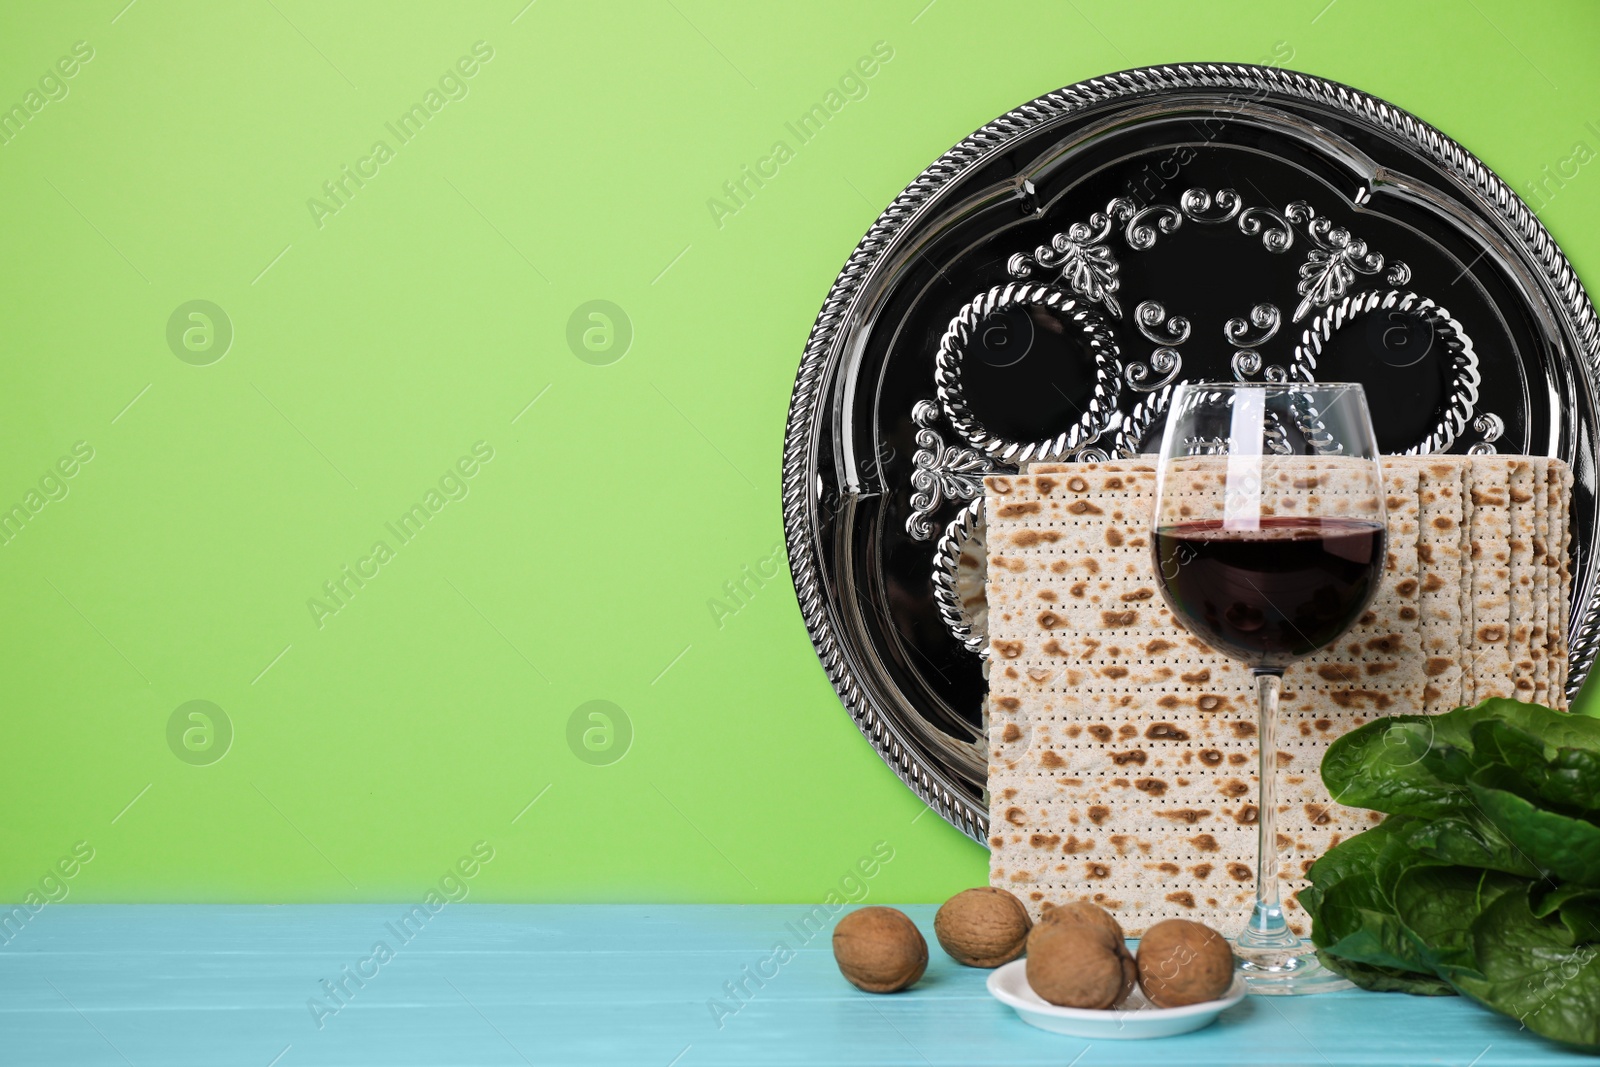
(1122, 751)
(1490, 581)
(1121, 771)
(1519, 638)
(1558, 484)
(1538, 629)
(1439, 565)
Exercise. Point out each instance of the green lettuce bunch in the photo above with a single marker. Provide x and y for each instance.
(1484, 880)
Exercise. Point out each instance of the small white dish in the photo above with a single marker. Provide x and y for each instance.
(1135, 1018)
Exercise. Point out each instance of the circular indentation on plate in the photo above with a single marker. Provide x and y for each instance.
(960, 562)
(1416, 361)
(1400, 340)
(1041, 378)
(1005, 337)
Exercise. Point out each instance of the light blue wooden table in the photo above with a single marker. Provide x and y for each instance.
(508, 985)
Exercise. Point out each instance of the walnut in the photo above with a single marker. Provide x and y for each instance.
(879, 950)
(1074, 965)
(1183, 962)
(982, 927)
(1081, 911)
(1093, 915)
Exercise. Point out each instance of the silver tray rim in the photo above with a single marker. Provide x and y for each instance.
(930, 782)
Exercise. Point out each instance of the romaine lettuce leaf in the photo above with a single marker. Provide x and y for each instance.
(1557, 844)
(1485, 877)
(1532, 970)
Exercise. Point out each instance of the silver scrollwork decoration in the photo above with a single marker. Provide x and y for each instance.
(1167, 332)
(1277, 236)
(1199, 205)
(1246, 335)
(1492, 427)
(1146, 225)
(940, 472)
(1081, 260)
(1333, 263)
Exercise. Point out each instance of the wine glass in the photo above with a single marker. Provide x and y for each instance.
(1268, 540)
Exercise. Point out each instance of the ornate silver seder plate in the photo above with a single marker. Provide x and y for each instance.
(1037, 290)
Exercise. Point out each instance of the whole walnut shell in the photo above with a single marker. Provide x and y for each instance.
(982, 927)
(1183, 962)
(879, 950)
(1081, 911)
(1093, 915)
(1074, 965)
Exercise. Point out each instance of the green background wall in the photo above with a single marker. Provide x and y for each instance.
(374, 345)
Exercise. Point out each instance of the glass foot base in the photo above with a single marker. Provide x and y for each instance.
(1286, 972)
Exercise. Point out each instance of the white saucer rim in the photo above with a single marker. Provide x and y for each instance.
(997, 979)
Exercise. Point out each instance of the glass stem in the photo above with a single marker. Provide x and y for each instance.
(1267, 929)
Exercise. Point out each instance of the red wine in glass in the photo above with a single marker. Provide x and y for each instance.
(1274, 594)
(1268, 544)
